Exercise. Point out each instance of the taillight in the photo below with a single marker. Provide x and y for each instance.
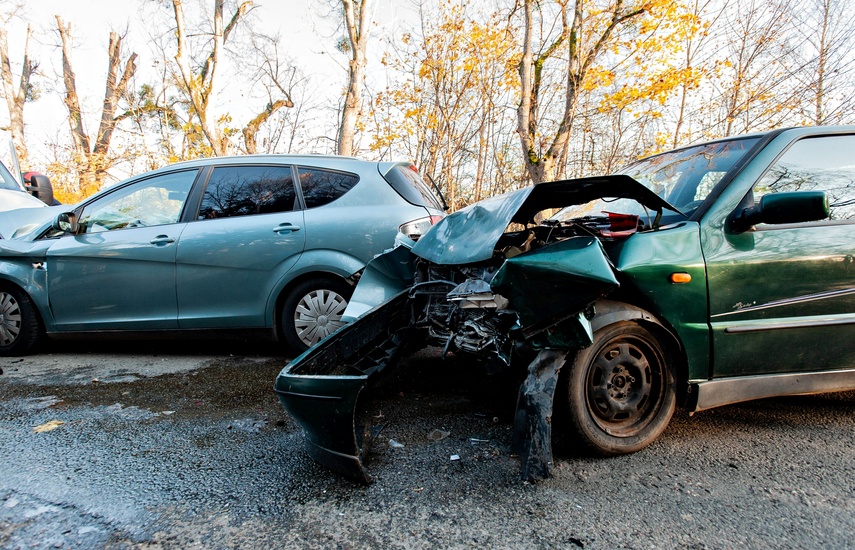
(419, 227)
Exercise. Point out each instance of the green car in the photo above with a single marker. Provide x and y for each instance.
(709, 275)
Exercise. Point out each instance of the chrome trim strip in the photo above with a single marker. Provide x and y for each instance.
(726, 391)
(793, 324)
(789, 301)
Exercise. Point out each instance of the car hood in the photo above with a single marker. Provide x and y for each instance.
(11, 200)
(27, 223)
(470, 234)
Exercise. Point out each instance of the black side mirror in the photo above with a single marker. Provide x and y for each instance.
(778, 208)
(40, 187)
(66, 222)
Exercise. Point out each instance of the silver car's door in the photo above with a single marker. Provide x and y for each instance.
(248, 233)
(118, 271)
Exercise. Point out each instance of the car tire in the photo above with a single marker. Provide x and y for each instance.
(20, 328)
(313, 310)
(620, 390)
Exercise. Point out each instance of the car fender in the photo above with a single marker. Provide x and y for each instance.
(324, 261)
(32, 279)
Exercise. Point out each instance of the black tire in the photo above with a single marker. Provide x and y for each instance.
(313, 310)
(20, 328)
(620, 390)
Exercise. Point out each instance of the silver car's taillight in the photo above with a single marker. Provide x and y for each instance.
(416, 228)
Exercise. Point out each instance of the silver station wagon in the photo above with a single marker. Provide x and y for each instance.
(269, 244)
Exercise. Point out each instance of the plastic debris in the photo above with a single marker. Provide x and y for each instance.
(475, 441)
(48, 426)
(454, 457)
(438, 435)
(395, 445)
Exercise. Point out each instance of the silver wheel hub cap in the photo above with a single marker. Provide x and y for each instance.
(318, 315)
(10, 319)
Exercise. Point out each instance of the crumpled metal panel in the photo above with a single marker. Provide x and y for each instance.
(568, 276)
(470, 234)
(532, 438)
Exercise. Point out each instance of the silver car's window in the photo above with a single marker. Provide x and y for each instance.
(153, 201)
(816, 164)
(7, 181)
(247, 190)
(321, 187)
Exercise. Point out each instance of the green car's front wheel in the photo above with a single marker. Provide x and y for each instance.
(313, 311)
(20, 329)
(621, 391)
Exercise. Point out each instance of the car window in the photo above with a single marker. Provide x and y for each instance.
(321, 187)
(816, 164)
(410, 185)
(7, 181)
(246, 190)
(154, 201)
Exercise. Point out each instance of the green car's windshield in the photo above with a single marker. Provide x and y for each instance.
(684, 178)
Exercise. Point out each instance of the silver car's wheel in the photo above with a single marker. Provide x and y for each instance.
(318, 315)
(10, 319)
(20, 328)
(313, 311)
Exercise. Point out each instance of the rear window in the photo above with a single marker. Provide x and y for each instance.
(321, 187)
(410, 185)
(247, 190)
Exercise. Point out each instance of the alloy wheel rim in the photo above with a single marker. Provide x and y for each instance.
(10, 319)
(318, 315)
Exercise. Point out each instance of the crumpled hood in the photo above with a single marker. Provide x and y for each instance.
(27, 222)
(470, 234)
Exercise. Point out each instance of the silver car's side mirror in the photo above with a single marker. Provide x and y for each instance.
(66, 222)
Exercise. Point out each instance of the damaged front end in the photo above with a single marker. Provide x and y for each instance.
(486, 282)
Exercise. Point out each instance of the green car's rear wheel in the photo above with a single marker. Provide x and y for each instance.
(20, 329)
(313, 311)
(621, 392)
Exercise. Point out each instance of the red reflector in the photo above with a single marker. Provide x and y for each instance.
(435, 219)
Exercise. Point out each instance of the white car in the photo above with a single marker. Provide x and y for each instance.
(14, 194)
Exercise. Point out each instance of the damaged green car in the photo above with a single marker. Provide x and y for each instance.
(705, 276)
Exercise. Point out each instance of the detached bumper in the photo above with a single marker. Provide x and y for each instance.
(321, 387)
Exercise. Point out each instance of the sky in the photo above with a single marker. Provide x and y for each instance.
(307, 35)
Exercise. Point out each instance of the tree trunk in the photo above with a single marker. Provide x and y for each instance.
(15, 99)
(357, 15)
(93, 162)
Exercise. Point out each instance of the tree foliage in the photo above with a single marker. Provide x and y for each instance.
(483, 95)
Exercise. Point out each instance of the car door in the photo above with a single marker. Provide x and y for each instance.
(118, 271)
(248, 233)
(782, 297)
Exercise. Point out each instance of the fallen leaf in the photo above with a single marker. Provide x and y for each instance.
(48, 426)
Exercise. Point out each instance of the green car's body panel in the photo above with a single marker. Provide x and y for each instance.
(645, 262)
(745, 310)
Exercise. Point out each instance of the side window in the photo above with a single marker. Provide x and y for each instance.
(247, 190)
(152, 201)
(323, 186)
(816, 164)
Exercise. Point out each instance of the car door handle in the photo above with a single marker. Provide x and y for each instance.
(162, 239)
(282, 227)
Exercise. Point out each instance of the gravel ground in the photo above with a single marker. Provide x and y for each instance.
(184, 445)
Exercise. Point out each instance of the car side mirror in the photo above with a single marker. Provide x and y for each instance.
(40, 187)
(66, 222)
(779, 208)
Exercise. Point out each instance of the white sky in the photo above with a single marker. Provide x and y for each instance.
(306, 36)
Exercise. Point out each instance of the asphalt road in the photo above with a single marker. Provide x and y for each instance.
(163, 445)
